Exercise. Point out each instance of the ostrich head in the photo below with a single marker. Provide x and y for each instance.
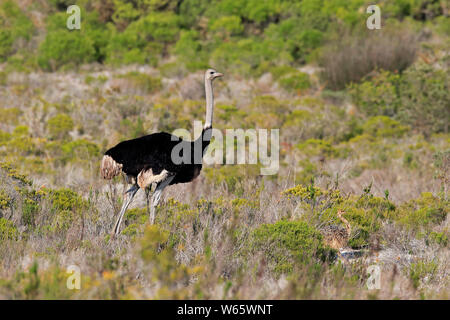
(211, 74)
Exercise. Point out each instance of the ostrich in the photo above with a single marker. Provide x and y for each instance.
(148, 159)
(337, 237)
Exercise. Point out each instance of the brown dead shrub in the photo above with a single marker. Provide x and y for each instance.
(351, 58)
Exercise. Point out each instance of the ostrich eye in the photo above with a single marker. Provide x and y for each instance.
(212, 72)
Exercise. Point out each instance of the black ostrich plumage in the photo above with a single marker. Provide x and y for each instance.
(154, 152)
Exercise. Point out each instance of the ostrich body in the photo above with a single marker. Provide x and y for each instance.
(337, 237)
(148, 159)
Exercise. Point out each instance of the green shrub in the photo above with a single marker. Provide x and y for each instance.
(12, 173)
(441, 163)
(227, 26)
(21, 142)
(421, 271)
(290, 78)
(64, 47)
(231, 176)
(286, 244)
(10, 115)
(67, 207)
(59, 126)
(418, 9)
(190, 52)
(124, 14)
(308, 171)
(364, 223)
(30, 208)
(5, 200)
(316, 147)
(143, 81)
(423, 212)
(70, 48)
(164, 266)
(261, 11)
(365, 215)
(425, 96)
(314, 197)
(144, 40)
(280, 71)
(65, 199)
(419, 97)
(438, 237)
(136, 216)
(8, 230)
(14, 25)
(379, 95)
(80, 149)
(296, 40)
(244, 56)
(384, 127)
(131, 230)
(298, 81)
(3, 78)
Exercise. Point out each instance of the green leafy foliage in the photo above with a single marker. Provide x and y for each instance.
(146, 83)
(8, 230)
(423, 212)
(144, 40)
(5, 200)
(418, 98)
(67, 206)
(59, 126)
(64, 47)
(262, 32)
(287, 243)
(14, 25)
(422, 270)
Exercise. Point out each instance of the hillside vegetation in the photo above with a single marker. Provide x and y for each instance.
(363, 118)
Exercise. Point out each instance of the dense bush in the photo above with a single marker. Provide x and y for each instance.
(419, 97)
(262, 33)
(66, 208)
(424, 212)
(144, 82)
(287, 243)
(7, 230)
(59, 126)
(14, 25)
(62, 46)
(144, 40)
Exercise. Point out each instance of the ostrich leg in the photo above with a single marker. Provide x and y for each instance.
(130, 195)
(157, 196)
(147, 198)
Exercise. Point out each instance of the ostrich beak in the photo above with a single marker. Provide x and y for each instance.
(218, 75)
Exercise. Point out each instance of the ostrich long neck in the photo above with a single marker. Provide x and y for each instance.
(209, 104)
(205, 137)
(348, 227)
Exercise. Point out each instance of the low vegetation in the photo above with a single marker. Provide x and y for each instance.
(366, 140)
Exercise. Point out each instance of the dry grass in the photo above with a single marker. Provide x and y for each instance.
(210, 221)
(350, 59)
